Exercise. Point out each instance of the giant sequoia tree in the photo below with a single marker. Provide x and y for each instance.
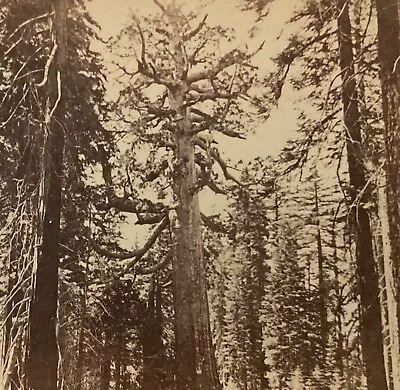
(196, 93)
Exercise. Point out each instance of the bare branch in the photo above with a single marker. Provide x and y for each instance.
(143, 43)
(153, 268)
(155, 212)
(31, 20)
(162, 8)
(194, 32)
(47, 66)
(233, 57)
(18, 75)
(226, 61)
(137, 254)
(192, 57)
(148, 69)
(125, 70)
(59, 92)
(150, 242)
(214, 187)
(3, 124)
(14, 45)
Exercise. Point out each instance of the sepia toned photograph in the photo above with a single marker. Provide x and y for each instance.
(200, 195)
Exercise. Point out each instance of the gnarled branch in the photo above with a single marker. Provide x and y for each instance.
(195, 31)
(154, 268)
(135, 254)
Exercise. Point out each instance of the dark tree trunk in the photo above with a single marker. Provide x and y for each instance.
(81, 341)
(12, 339)
(106, 364)
(256, 284)
(153, 349)
(370, 317)
(322, 290)
(389, 51)
(118, 378)
(338, 312)
(262, 367)
(42, 360)
(82, 326)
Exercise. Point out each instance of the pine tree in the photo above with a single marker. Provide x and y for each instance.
(36, 98)
(389, 50)
(245, 320)
(371, 325)
(294, 326)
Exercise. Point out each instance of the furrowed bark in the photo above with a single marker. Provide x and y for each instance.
(195, 361)
(195, 365)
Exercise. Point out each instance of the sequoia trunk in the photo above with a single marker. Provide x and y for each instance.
(195, 362)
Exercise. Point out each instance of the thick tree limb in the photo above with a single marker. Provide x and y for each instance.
(226, 61)
(150, 242)
(136, 254)
(229, 133)
(148, 219)
(214, 187)
(154, 268)
(211, 95)
(195, 31)
(154, 212)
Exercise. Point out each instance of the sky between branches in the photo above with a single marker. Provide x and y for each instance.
(271, 135)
